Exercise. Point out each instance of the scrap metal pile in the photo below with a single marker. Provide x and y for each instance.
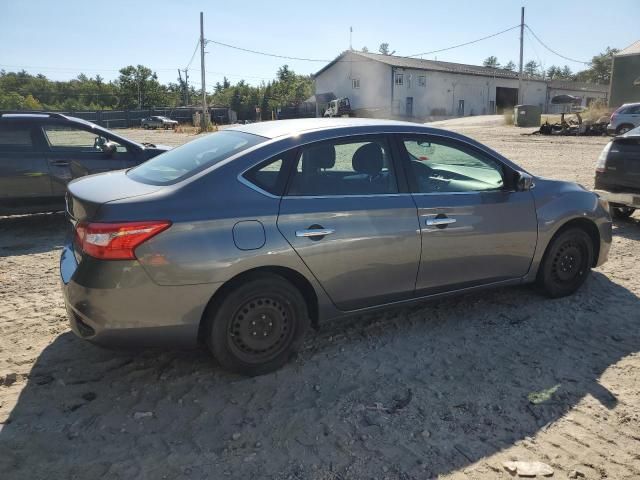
(572, 126)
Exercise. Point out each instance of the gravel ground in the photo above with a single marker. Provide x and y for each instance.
(447, 389)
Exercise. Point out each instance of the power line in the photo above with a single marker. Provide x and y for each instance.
(466, 43)
(266, 54)
(195, 50)
(553, 51)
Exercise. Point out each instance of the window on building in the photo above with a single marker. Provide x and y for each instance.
(399, 79)
(422, 81)
(408, 81)
(355, 83)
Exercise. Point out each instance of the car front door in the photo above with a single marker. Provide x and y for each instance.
(24, 175)
(345, 216)
(476, 229)
(75, 152)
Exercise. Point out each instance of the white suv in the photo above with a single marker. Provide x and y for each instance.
(624, 119)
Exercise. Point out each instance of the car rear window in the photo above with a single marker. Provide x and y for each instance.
(193, 157)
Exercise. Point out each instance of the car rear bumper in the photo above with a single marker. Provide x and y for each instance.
(626, 199)
(115, 303)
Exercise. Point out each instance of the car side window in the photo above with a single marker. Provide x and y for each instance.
(442, 166)
(15, 138)
(65, 138)
(268, 176)
(344, 167)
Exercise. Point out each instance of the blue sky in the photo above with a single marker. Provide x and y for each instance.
(64, 38)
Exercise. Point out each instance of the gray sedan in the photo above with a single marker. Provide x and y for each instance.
(244, 238)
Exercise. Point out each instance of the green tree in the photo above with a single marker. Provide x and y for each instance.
(566, 73)
(491, 62)
(509, 66)
(599, 70)
(531, 68)
(554, 72)
(384, 49)
(365, 49)
(139, 87)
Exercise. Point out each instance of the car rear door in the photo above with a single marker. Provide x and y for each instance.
(345, 216)
(475, 228)
(24, 175)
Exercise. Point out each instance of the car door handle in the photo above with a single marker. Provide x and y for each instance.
(438, 222)
(59, 163)
(314, 232)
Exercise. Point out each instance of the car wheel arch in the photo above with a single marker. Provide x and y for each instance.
(629, 126)
(298, 280)
(584, 224)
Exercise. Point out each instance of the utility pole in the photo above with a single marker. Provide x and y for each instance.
(350, 38)
(520, 96)
(185, 93)
(204, 90)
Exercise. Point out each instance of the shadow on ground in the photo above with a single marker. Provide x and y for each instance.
(411, 392)
(28, 234)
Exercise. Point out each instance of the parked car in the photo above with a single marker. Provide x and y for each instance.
(41, 152)
(245, 237)
(158, 122)
(624, 119)
(618, 174)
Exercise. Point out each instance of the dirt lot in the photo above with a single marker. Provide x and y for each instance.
(447, 389)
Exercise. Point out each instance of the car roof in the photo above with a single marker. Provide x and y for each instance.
(64, 119)
(281, 128)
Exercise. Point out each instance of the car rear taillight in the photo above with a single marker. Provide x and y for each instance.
(601, 164)
(115, 241)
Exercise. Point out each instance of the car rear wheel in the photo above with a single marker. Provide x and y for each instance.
(566, 263)
(258, 325)
(622, 212)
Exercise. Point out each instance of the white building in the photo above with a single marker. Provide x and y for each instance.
(391, 86)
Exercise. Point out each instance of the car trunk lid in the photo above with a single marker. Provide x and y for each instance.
(86, 195)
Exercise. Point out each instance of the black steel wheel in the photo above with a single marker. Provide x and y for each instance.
(256, 327)
(260, 328)
(566, 263)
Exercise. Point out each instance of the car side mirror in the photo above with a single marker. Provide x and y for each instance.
(109, 148)
(524, 182)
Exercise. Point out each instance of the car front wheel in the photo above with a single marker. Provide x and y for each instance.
(566, 263)
(258, 325)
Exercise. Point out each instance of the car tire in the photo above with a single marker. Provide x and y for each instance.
(258, 325)
(566, 263)
(145, 126)
(622, 129)
(622, 212)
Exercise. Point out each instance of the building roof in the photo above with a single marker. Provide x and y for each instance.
(421, 64)
(633, 49)
(569, 85)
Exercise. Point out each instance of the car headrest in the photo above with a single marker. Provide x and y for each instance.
(318, 156)
(368, 159)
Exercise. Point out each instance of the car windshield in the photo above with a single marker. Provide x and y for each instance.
(192, 157)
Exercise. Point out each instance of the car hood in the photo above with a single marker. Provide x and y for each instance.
(86, 194)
